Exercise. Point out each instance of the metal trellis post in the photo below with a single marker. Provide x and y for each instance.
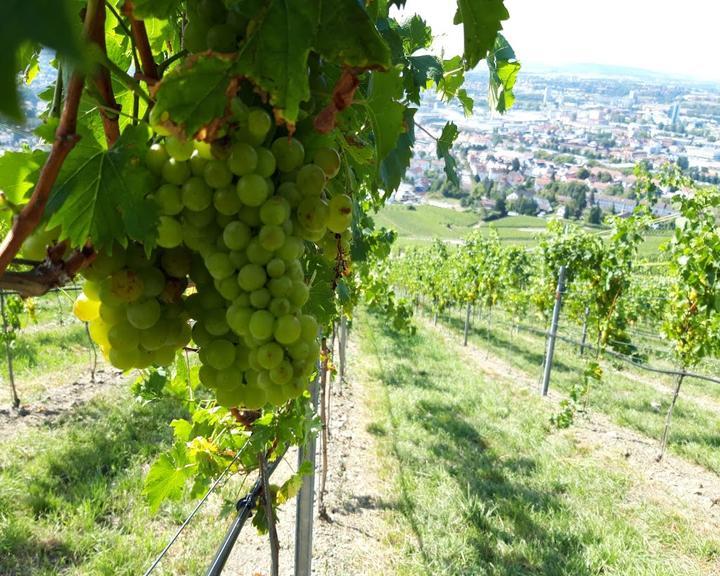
(304, 513)
(468, 311)
(584, 330)
(553, 332)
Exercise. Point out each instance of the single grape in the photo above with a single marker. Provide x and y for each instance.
(156, 336)
(168, 199)
(309, 328)
(202, 219)
(165, 356)
(238, 258)
(250, 215)
(339, 213)
(329, 160)
(219, 265)
(175, 172)
(269, 355)
(91, 289)
(204, 149)
(259, 123)
(176, 262)
(243, 159)
(257, 254)
(144, 314)
(295, 271)
(312, 214)
(271, 237)
(220, 354)
(217, 174)
(153, 282)
(260, 298)
(289, 153)
(261, 324)
(291, 193)
(299, 293)
(293, 249)
(310, 180)
(251, 277)
(85, 309)
(287, 329)
(99, 332)
(124, 336)
(279, 307)
(227, 201)
(215, 321)
(208, 376)
(275, 268)
(197, 164)
(238, 317)
(228, 288)
(170, 232)
(275, 211)
(124, 359)
(211, 299)
(155, 158)
(196, 195)
(111, 315)
(252, 189)
(126, 285)
(236, 235)
(180, 150)
(280, 287)
(222, 38)
(282, 373)
(266, 163)
(200, 335)
(299, 350)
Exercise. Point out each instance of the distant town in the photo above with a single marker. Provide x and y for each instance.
(569, 146)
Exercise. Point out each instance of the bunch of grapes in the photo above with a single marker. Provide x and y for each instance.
(133, 305)
(236, 218)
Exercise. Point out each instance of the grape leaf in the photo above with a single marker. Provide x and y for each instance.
(386, 113)
(321, 303)
(348, 37)
(394, 166)
(275, 53)
(481, 21)
(193, 95)
(167, 476)
(444, 151)
(17, 170)
(102, 194)
(504, 69)
(156, 8)
(51, 23)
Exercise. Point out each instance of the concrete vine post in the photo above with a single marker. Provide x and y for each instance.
(553, 331)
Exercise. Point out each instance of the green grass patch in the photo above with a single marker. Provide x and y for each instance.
(484, 485)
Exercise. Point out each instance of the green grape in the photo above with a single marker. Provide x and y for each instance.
(293, 249)
(271, 237)
(203, 149)
(259, 123)
(137, 259)
(195, 37)
(253, 361)
(124, 336)
(208, 376)
(279, 307)
(250, 215)
(309, 328)
(176, 262)
(217, 174)
(170, 232)
(85, 309)
(339, 213)
(257, 254)
(165, 356)
(280, 287)
(275, 211)
(210, 299)
(175, 172)
(196, 195)
(312, 214)
(179, 150)
(230, 397)
(227, 201)
(252, 189)
(219, 265)
(310, 180)
(229, 379)
(243, 159)
(236, 235)
(329, 160)
(220, 354)
(254, 397)
(251, 277)
(222, 38)
(228, 288)
(221, 220)
(289, 153)
(126, 285)
(299, 350)
(144, 314)
(275, 394)
(91, 289)
(295, 271)
(215, 322)
(202, 219)
(197, 164)
(275, 268)
(269, 355)
(193, 306)
(124, 359)
(282, 373)
(153, 282)
(111, 315)
(200, 335)
(260, 298)
(155, 158)
(106, 263)
(261, 324)
(242, 361)
(298, 294)
(238, 258)
(156, 336)
(266, 163)
(99, 332)
(291, 193)
(107, 296)
(287, 330)
(238, 318)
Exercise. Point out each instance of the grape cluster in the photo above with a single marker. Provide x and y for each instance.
(133, 306)
(235, 219)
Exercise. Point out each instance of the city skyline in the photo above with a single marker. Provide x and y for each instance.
(640, 34)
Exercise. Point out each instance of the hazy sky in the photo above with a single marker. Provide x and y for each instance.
(666, 35)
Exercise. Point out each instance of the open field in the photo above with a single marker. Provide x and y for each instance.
(420, 225)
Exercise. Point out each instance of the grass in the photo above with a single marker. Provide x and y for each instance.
(484, 486)
(629, 396)
(71, 496)
(421, 225)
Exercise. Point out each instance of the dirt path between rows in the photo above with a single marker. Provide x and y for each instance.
(351, 543)
(685, 487)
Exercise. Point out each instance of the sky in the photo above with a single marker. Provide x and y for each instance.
(678, 37)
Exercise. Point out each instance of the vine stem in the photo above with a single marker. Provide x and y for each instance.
(65, 140)
(272, 529)
(149, 67)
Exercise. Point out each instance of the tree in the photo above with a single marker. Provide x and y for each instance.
(515, 165)
(683, 163)
(501, 206)
(583, 173)
(595, 215)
